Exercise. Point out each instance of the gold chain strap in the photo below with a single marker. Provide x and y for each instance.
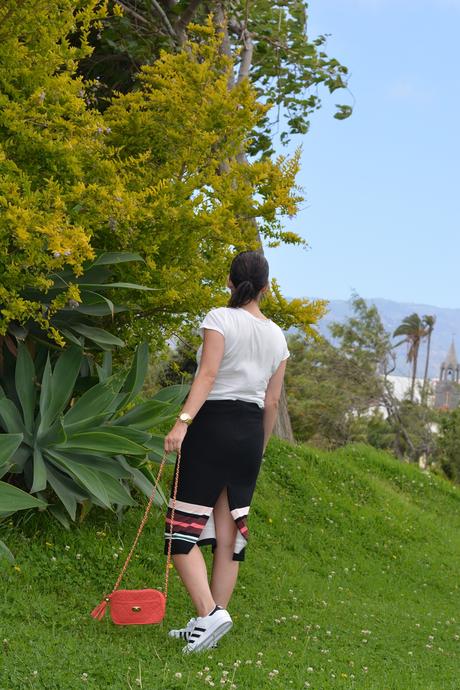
(144, 520)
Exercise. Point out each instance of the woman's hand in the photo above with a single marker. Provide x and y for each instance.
(173, 440)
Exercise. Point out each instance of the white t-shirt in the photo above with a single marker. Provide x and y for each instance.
(253, 350)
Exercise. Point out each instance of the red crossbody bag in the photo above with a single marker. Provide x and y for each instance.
(140, 606)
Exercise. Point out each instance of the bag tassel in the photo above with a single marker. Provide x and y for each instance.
(99, 611)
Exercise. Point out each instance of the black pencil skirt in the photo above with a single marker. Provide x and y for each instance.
(222, 448)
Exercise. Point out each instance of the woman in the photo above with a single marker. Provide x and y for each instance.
(222, 433)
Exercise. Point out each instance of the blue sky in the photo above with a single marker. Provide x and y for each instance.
(381, 210)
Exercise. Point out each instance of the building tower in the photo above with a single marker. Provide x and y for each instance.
(447, 395)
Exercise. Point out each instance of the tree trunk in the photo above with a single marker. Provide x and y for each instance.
(283, 428)
(414, 371)
(427, 364)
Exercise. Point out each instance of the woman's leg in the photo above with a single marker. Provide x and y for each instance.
(192, 570)
(224, 568)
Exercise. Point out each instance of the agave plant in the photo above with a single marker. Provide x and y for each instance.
(75, 320)
(58, 452)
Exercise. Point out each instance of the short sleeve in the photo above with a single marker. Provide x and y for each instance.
(286, 352)
(212, 320)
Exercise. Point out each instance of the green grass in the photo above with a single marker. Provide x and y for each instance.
(351, 580)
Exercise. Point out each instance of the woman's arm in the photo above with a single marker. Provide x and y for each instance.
(272, 396)
(211, 357)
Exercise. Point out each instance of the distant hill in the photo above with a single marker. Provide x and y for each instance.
(392, 313)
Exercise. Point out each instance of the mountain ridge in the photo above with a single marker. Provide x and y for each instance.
(392, 313)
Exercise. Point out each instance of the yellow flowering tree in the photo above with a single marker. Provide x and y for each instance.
(155, 173)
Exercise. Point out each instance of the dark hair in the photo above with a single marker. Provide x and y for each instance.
(249, 274)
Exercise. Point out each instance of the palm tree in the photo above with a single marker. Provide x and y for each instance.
(413, 328)
(428, 322)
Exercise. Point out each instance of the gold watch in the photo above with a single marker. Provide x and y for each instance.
(185, 417)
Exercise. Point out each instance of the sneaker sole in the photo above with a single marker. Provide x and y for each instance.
(216, 634)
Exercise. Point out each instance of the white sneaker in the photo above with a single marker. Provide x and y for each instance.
(183, 633)
(207, 630)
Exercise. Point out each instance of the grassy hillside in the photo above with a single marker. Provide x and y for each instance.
(351, 580)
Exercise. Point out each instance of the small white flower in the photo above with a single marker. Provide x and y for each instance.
(84, 677)
(67, 547)
(53, 558)
(310, 669)
(78, 555)
(178, 675)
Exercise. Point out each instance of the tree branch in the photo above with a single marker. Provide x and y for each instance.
(185, 18)
(246, 56)
(132, 11)
(157, 8)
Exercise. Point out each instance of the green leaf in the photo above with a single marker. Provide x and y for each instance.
(70, 336)
(9, 443)
(135, 435)
(116, 258)
(91, 480)
(146, 415)
(25, 385)
(129, 286)
(156, 445)
(108, 302)
(10, 418)
(5, 552)
(143, 483)
(137, 373)
(173, 394)
(39, 482)
(98, 335)
(62, 384)
(92, 310)
(58, 513)
(45, 392)
(117, 492)
(94, 459)
(106, 369)
(95, 401)
(343, 112)
(65, 489)
(12, 499)
(105, 442)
